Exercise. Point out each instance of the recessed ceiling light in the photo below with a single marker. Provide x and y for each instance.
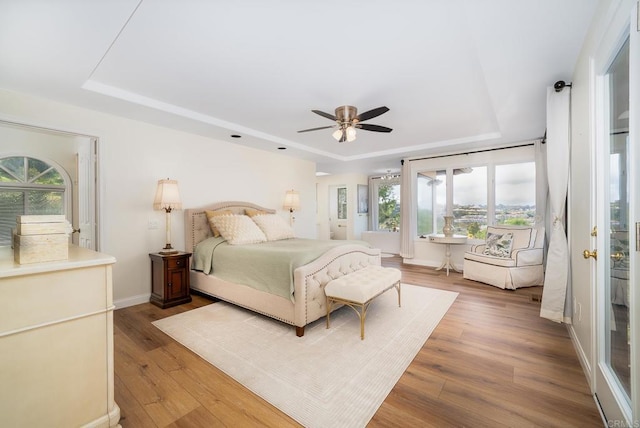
(320, 174)
(236, 136)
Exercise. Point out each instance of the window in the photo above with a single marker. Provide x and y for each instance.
(516, 194)
(342, 203)
(384, 209)
(470, 201)
(389, 205)
(28, 186)
(432, 201)
(469, 206)
(496, 187)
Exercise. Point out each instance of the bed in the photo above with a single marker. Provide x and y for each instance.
(307, 302)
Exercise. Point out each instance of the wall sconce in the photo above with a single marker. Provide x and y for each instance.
(167, 199)
(291, 203)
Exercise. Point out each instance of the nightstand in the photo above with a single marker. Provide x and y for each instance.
(170, 279)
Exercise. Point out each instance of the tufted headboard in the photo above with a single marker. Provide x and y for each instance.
(196, 224)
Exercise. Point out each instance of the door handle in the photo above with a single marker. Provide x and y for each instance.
(586, 254)
(617, 256)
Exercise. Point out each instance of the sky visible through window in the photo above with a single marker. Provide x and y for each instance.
(515, 184)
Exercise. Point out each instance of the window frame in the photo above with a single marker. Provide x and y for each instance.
(375, 182)
(489, 158)
(66, 188)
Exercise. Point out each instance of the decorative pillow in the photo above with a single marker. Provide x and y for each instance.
(238, 229)
(251, 212)
(211, 214)
(273, 226)
(498, 245)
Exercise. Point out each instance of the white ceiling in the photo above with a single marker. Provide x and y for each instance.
(455, 74)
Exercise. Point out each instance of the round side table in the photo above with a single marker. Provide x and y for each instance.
(447, 241)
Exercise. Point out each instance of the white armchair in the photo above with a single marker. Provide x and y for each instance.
(512, 257)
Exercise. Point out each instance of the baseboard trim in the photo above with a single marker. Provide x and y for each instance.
(428, 263)
(582, 356)
(132, 301)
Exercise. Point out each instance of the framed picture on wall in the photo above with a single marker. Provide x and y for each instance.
(363, 198)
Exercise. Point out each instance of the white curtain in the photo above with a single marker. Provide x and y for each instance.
(542, 191)
(556, 293)
(373, 204)
(406, 210)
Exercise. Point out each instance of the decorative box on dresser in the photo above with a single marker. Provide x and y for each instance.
(170, 279)
(56, 342)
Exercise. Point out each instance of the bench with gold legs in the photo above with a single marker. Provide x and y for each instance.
(358, 289)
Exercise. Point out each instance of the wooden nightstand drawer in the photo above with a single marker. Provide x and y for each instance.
(174, 262)
(169, 279)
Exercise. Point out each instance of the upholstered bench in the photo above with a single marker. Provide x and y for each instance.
(358, 289)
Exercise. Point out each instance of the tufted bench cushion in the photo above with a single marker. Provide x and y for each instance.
(357, 289)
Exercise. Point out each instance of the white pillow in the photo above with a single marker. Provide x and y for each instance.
(238, 229)
(273, 226)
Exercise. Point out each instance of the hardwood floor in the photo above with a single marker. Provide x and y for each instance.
(492, 361)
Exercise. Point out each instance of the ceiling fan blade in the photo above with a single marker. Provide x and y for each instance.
(375, 128)
(316, 129)
(323, 114)
(372, 113)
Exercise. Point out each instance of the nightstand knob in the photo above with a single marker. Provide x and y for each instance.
(178, 262)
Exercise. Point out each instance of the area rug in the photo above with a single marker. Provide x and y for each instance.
(328, 377)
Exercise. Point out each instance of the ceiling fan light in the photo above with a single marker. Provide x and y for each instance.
(351, 133)
(337, 134)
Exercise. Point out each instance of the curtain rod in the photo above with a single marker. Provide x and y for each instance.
(470, 153)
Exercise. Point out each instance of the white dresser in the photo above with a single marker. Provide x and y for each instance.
(56, 342)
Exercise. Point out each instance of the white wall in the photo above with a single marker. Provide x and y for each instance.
(357, 222)
(135, 155)
(388, 242)
(432, 255)
(59, 148)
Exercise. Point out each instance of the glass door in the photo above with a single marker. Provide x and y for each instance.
(338, 212)
(616, 373)
(615, 344)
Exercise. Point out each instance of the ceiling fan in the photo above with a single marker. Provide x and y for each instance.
(348, 120)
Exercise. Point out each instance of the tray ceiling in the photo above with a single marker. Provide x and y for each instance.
(456, 75)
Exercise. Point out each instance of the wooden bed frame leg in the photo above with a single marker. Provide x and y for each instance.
(299, 331)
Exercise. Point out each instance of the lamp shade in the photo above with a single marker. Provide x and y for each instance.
(292, 200)
(167, 196)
